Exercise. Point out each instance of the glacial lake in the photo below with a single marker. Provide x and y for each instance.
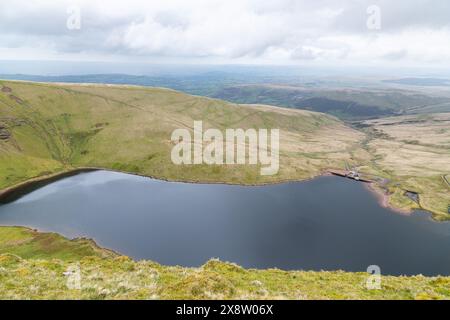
(329, 223)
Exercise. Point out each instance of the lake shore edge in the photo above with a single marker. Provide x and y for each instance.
(16, 191)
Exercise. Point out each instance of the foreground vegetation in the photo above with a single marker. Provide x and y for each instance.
(53, 128)
(39, 266)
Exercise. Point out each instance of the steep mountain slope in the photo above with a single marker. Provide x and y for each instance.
(49, 128)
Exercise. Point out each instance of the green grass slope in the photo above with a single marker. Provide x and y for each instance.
(51, 128)
(30, 244)
(42, 273)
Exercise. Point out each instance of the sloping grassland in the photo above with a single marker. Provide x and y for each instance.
(52, 128)
(46, 273)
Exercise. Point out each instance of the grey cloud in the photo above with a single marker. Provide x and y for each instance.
(395, 15)
(169, 19)
(395, 55)
(303, 53)
(236, 29)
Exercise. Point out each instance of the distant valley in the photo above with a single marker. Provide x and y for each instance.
(348, 99)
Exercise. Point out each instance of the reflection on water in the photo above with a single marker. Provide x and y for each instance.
(329, 223)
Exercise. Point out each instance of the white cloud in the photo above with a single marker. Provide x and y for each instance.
(234, 31)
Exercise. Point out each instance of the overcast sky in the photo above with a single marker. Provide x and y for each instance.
(319, 32)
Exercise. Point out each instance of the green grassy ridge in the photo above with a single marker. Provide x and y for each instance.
(34, 265)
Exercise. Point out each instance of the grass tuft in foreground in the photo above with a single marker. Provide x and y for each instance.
(35, 265)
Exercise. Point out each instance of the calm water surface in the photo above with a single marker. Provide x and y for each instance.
(326, 224)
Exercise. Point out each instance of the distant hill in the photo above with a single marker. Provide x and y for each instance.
(198, 83)
(425, 82)
(351, 102)
(345, 103)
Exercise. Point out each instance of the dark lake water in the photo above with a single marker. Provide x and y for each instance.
(329, 223)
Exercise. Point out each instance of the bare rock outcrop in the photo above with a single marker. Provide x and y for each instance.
(4, 134)
(6, 89)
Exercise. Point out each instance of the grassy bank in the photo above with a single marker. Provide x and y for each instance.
(30, 244)
(35, 265)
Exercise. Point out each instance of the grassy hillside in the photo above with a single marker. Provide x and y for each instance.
(51, 128)
(43, 274)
